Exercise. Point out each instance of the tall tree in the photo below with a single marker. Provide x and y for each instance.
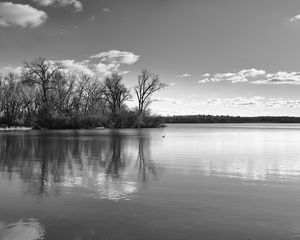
(115, 93)
(42, 73)
(64, 92)
(148, 83)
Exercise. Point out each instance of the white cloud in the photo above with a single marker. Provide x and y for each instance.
(12, 14)
(124, 72)
(238, 101)
(77, 67)
(106, 69)
(77, 5)
(92, 67)
(185, 75)
(282, 103)
(295, 18)
(105, 10)
(206, 75)
(256, 101)
(241, 76)
(102, 65)
(10, 69)
(251, 72)
(280, 77)
(88, 68)
(169, 100)
(115, 56)
(204, 80)
(255, 76)
(245, 106)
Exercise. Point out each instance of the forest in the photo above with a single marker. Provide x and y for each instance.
(46, 96)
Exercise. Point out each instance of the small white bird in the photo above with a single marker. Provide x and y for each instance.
(163, 135)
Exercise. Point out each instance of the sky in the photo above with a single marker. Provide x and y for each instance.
(220, 57)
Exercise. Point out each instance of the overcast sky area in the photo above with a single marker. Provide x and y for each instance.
(233, 57)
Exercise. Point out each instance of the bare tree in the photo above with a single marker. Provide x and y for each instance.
(88, 96)
(148, 83)
(64, 92)
(11, 101)
(80, 93)
(115, 93)
(42, 73)
(93, 97)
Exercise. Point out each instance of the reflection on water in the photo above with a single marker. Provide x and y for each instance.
(248, 152)
(188, 185)
(115, 164)
(146, 167)
(30, 229)
(105, 164)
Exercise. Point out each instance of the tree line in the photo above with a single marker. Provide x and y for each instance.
(45, 95)
(229, 119)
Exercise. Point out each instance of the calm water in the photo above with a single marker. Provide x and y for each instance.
(199, 182)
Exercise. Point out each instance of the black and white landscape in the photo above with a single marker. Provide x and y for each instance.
(149, 119)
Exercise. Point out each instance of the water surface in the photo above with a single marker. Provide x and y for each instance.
(201, 181)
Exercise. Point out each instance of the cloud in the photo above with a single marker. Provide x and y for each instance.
(12, 14)
(251, 72)
(185, 75)
(77, 5)
(281, 77)
(115, 56)
(206, 75)
(238, 101)
(241, 76)
(255, 105)
(204, 80)
(88, 68)
(169, 100)
(106, 69)
(81, 67)
(105, 10)
(100, 65)
(282, 103)
(295, 18)
(255, 76)
(10, 69)
(256, 101)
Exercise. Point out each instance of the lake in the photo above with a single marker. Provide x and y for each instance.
(200, 181)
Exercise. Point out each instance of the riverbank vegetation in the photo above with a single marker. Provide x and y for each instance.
(44, 95)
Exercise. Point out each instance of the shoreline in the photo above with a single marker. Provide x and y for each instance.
(16, 129)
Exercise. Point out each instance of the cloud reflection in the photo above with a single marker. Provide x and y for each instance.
(30, 229)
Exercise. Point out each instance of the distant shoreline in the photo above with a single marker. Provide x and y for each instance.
(15, 128)
(228, 119)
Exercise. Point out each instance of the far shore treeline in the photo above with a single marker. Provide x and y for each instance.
(229, 119)
(45, 95)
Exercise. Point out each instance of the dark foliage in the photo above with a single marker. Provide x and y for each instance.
(45, 96)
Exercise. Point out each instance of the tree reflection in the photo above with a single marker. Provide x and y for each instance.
(146, 167)
(48, 162)
(115, 161)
